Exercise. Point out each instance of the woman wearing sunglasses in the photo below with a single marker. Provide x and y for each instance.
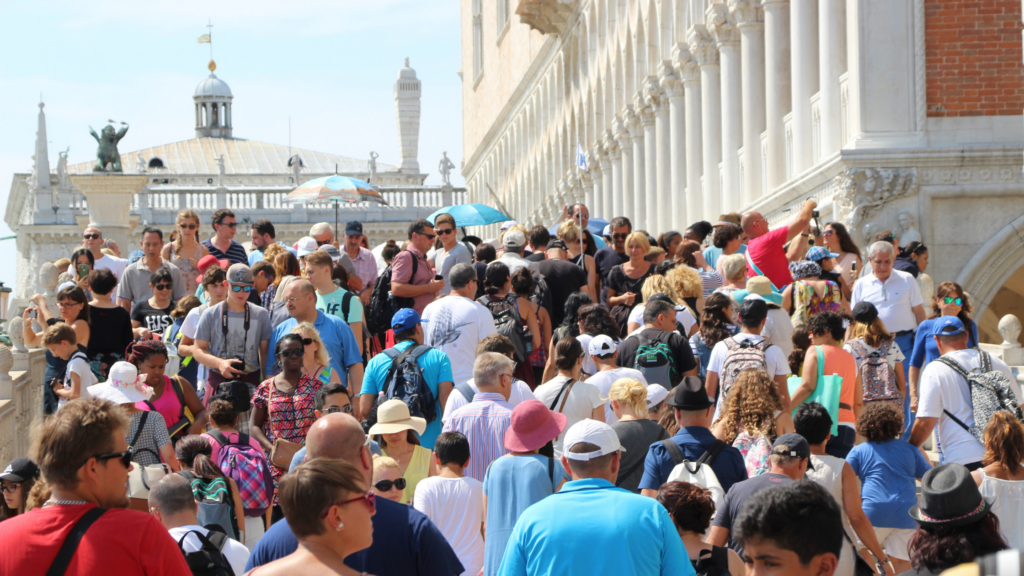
(950, 300)
(153, 316)
(185, 251)
(316, 362)
(387, 478)
(330, 511)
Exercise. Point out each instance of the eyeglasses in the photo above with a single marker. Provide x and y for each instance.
(446, 231)
(347, 409)
(370, 498)
(293, 353)
(9, 488)
(188, 226)
(307, 341)
(951, 300)
(240, 288)
(620, 236)
(66, 304)
(125, 457)
(161, 286)
(386, 485)
(291, 300)
(91, 236)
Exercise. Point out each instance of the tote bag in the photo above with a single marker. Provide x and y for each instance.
(826, 393)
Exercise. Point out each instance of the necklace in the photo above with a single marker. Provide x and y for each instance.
(63, 503)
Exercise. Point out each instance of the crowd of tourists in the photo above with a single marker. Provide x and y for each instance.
(729, 399)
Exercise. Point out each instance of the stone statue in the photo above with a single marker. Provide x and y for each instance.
(106, 152)
(31, 180)
(371, 166)
(49, 278)
(295, 162)
(140, 163)
(14, 328)
(445, 168)
(63, 180)
(220, 171)
(927, 286)
(908, 231)
(868, 233)
(1009, 329)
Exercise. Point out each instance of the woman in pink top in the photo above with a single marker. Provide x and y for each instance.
(224, 419)
(170, 395)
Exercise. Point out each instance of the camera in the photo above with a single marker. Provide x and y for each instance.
(815, 213)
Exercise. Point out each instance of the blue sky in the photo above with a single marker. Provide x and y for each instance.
(328, 64)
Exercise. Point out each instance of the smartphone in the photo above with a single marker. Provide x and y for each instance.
(853, 266)
(83, 270)
(438, 277)
(33, 313)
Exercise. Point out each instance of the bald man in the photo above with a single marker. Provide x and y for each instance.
(404, 540)
(765, 253)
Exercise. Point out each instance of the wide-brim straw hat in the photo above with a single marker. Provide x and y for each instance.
(123, 385)
(393, 416)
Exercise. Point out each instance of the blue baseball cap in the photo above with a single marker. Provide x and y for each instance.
(405, 319)
(949, 326)
(817, 254)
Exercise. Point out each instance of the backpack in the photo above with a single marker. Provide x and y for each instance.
(541, 294)
(383, 305)
(405, 382)
(250, 471)
(509, 323)
(209, 560)
(714, 562)
(699, 472)
(654, 360)
(741, 356)
(879, 379)
(756, 451)
(990, 393)
(215, 503)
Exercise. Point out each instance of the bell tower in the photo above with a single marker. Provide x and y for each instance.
(213, 97)
(407, 112)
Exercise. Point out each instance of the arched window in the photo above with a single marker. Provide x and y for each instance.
(156, 162)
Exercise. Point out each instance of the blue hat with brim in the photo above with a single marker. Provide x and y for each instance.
(949, 326)
(817, 254)
(405, 319)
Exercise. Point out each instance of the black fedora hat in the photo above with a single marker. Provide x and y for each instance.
(949, 497)
(690, 395)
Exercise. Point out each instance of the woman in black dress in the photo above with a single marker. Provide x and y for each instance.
(626, 280)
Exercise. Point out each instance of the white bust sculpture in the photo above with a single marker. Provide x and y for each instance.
(371, 166)
(14, 330)
(908, 229)
(1009, 329)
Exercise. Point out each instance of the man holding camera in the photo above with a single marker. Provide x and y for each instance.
(766, 255)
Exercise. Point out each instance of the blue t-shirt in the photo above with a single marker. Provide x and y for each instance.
(925, 348)
(887, 471)
(712, 254)
(337, 337)
(300, 456)
(405, 541)
(436, 368)
(512, 484)
(257, 255)
(693, 441)
(592, 527)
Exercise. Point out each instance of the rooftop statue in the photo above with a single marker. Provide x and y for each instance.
(445, 168)
(106, 152)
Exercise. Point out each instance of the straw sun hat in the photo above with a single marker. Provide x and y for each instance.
(393, 416)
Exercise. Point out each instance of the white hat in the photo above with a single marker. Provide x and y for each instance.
(602, 345)
(123, 385)
(393, 416)
(68, 284)
(507, 224)
(306, 245)
(656, 394)
(591, 432)
(514, 239)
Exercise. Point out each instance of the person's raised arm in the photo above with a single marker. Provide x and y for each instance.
(802, 220)
(44, 309)
(32, 338)
(798, 248)
(808, 381)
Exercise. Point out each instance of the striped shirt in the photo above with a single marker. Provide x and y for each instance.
(235, 254)
(484, 422)
(366, 267)
(710, 281)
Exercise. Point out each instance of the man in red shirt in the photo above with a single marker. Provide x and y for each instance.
(84, 457)
(765, 253)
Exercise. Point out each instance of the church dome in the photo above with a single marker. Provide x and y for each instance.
(213, 86)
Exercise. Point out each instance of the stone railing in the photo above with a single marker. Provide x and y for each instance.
(21, 399)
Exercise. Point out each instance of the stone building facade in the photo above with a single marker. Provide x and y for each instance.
(687, 109)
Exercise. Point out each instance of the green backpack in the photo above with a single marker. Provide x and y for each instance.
(653, 359)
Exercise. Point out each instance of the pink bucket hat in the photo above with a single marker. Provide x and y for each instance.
(533, 426)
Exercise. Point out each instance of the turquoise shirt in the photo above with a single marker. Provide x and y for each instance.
(712, 254)
(592, 527)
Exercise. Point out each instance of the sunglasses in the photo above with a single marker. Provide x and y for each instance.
(293, 353)
(161, 286)
(431, 236)
(239, 288)
(9, 488)
(827, 233)
(446, 231)
(125, 457)
(386, 485)
(619, 236)
(370, 498)
(188, 226)
(307, 341)
(951, 300)
(228, 224)
(321, 242)
(347, 409)
(91, 236)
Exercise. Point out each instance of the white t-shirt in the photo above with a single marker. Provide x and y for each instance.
(604, 380)
(455, 326)
(80, 366)
(115, 265)
(636, 315)
(775, 362)
(941, 388)
(583, 399)
(456, 507)
(189, 328)
(519, 393)
(778, 329)
(234, 551)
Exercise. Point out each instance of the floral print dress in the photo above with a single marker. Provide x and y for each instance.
(288, 416)
(807, 304)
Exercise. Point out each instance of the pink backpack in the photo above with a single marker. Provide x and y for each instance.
(742, 356)
(250, 471)
(756, 452)
(877, 377)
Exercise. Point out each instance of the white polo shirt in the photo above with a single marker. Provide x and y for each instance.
(895, 299)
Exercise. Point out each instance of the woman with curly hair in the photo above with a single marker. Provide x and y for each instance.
(888, 467)
(1001, 480)
(691, 509)
(754, 415)
(657, 284)
(687, 284)
(716, 324)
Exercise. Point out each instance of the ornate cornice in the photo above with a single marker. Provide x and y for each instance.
(861, 192)
(722, 25)
(610, 144)
(747, 12)
(703, 46)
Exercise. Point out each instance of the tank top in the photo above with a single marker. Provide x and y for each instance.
(841, 362)
(843, 267)
(188, 269)
(419, 468)
(167, 405)
(828, 473)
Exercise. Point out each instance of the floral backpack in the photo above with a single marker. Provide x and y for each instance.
(878, 378)
(756, 451)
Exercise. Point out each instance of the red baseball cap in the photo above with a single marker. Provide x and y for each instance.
(204, 264)
(533, 426)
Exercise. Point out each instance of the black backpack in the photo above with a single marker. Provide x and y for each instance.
(714, 562)
(209, 560)
(237, 393)
(509, 323)
(405, 382)
(383, 305)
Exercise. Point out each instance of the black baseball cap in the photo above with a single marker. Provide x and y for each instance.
(354, 228)
(557, 243)
(19, 470)
(661, 296)
(795, 445)
(865, 312)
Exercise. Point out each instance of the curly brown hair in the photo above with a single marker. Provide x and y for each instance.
(1004, 441)
(880, 422)
(689, 505)
(751, 406)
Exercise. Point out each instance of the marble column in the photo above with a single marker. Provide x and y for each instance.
(673, 87)
(663, 133)
(750, 20)
(804, 44)
(605, 198)
(703, 47)
(611, 146)
(638, 199)
(831, 65)
(647, 119)
(690, 72)
(623, 202)
(594, 166)
(727, 36)
(777, 87)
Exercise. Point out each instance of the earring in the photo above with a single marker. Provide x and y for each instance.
(340, 526)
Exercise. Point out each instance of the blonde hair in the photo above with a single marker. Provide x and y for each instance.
(569, 231)
(271, 252)
(307, 330)
(641, 239)
(686, 281)
(655, 284)
(873, 334)
(382, 462)
(108, 252)
(183, 215)
(734, 266)
(631, 393)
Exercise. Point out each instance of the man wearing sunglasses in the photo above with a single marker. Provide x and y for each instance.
(136, 282)
(82, 452)
(332, 398)
(450, 253)
(411, 274)
(222, 243)
(92, 239)
(405, 541)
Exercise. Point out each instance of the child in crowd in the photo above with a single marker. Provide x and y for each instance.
(387, 478)
(454, 502)
(60, 340)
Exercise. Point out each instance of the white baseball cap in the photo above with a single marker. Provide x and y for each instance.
(656, 394)
(508, 224)
(591, 432)
(514, 239)
(602, 345)
(306, 245)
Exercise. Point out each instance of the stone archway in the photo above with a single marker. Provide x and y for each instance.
(994, 278)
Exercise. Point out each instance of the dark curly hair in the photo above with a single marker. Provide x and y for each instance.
(827, 323)
(880, 422)
(689, 505)
(598, 320)
(940, 548)
(140, 351)
(726, 233)
(813, 422)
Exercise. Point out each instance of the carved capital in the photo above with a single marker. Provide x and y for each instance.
(668, 80)
(775, 4)
(722, 25)
(702, 45)
(747, 12)
(545, 16)
(629, 121)
(685, 63)
(611, 145)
